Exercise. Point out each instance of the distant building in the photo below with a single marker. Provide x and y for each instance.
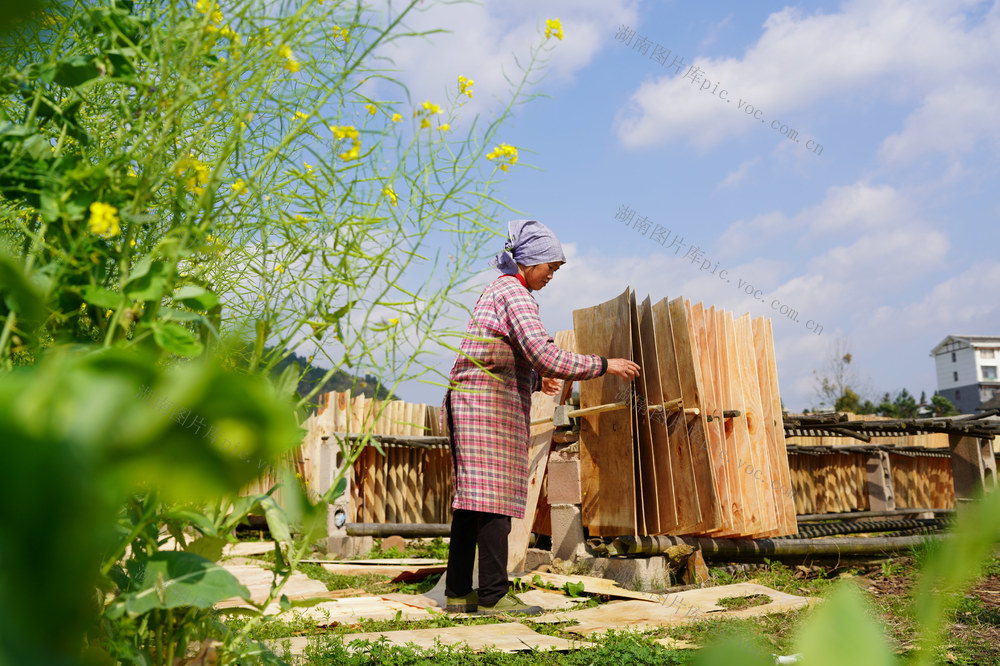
(967, 370)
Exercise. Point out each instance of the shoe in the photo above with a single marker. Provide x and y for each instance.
(466, 604)
(509, 604)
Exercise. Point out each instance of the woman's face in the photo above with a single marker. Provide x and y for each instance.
(539, 276)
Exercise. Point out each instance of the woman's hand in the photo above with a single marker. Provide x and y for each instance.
(551, 386)
(623, 367)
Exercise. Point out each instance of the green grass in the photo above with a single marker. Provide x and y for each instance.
(973, 637)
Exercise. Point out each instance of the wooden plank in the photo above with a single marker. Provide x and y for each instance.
(649, 375)
(592, 585)
(704, 357)
(756, 426)
(690, 378)
(677, 609)
(380, 497)
(647, 505)
(778, 430)
(539, 444)
(504, 637)
(723, 426)
(607, 471)
(738, 426)
(682, 470)
(520, 528)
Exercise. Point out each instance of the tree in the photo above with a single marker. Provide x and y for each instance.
(838, 377)
(848, 402)
(942, 406)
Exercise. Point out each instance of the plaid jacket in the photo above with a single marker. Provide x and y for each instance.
(490, 396)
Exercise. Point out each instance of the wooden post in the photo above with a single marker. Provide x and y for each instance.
(879, 482)
(973, 465)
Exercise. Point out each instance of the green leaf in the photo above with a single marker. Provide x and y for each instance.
(287, 382)
(196, 297)
(176, 339)
(173, 579)
(277, 522)
(574, 589)
(284, 603)
(844, 613)
(20, 295)
(209, 547)
(196, 518)
(101, 297)
(77, 70)
(147, 281)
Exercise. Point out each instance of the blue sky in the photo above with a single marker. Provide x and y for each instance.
(888, 237)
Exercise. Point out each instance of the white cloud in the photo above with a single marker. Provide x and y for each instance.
(735, 177)
(482, 41)
(894, 48)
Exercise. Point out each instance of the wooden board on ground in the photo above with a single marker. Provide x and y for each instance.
(682, 470)
(395, 571)
(649, 375)
(258, 581)
(676, 609)
(690, 377)
(606, 466)
(351, 610)
(592, 585)
(505, 637)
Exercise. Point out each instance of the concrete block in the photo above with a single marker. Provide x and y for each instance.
(535, 558)
(349, 547)
(564, 482)
(634, 573)
(567, 532)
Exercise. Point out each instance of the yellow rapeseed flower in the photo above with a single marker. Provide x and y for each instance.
(389, 194)
(204, 6)
(393, 321)
(291, 62)
(344, 131)
(103, 220)
(553, 27)
(504, 150)
(425, 123)
(431, 108)
(396, 118)
(348, 132)
(279, 269)
(444, 127)
(371, 108)
(239, 187)
(341, 33)
(309, 167)
(465, 86)
(302, 116)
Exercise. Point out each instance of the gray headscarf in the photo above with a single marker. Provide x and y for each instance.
(529, 243)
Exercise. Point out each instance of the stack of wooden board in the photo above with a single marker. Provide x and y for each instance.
(690, 469)
(408, 484)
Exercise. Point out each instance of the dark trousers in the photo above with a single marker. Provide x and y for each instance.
(489, 531)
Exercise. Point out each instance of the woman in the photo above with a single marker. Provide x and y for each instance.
(505, 355)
